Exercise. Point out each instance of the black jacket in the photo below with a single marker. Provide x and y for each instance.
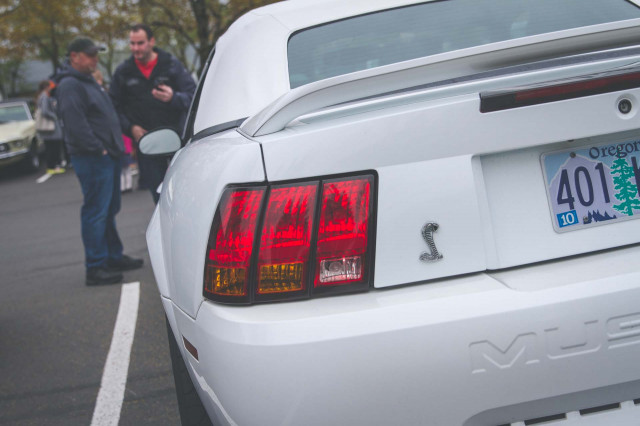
(90, 121)
(131, 94)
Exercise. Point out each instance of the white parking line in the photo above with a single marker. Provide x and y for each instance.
(114, 377)
(45, 177)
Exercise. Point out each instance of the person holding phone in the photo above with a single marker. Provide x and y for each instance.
(150, 89)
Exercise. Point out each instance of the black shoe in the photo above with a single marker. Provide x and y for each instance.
(126, 263)
(102, 276)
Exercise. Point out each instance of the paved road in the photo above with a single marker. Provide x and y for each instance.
(55, 332)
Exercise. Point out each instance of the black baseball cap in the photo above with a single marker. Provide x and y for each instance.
(86, 45)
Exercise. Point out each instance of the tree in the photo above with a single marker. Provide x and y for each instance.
(196, 23)
(110, 28)
(43, 28)
(7, 7)
(13, 50)
(10, 77)
(173, 24)
(627, 191)
(31, 29)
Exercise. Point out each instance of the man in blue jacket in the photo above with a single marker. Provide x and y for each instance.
(94, 141)
(151, 89)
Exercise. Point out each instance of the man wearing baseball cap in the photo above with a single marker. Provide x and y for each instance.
(85, 45)
(93, 139)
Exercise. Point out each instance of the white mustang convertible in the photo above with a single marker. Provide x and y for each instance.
(408, 212)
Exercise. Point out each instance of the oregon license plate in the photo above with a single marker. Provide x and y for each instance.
(594, 185)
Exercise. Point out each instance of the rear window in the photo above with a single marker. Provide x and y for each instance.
(426, 29)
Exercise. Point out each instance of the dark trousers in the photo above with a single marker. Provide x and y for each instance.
(53, 150)
(99, 177)
(152, 171)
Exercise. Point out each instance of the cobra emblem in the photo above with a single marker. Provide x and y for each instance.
(427, 233)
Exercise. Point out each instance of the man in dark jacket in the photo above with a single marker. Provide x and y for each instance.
(151, 89)
(94, 141)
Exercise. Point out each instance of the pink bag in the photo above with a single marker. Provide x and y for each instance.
(128, 144)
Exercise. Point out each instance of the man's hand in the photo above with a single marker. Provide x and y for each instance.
(163, 93)
(137, 132)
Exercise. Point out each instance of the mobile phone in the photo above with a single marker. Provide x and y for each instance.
(160, 80)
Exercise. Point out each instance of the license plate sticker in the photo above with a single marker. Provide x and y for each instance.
(592, 186)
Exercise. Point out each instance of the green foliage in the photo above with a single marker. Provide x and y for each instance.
(10, 77)
(42, 29)
(110, 27)
(194, 23)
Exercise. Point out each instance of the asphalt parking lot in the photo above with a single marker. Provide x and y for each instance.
(55, 333)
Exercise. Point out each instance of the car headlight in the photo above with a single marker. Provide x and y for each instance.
(19, 143)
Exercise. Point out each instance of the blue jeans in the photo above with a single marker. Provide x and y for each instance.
(99, 177)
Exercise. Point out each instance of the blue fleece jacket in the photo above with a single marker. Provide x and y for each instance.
(90, 121)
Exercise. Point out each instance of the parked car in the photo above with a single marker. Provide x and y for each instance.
(19, 141)
(403, 212)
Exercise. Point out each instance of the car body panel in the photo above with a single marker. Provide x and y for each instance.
(516, 323)
(210, 166)
(17, 138)
(309, 362)
(459, 184)
(16, 130)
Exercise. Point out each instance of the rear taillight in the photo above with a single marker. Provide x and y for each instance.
(285, 244)
(226, 273)
(291, 241)
(343, 232)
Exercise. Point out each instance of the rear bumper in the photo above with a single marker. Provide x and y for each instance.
(473, 350)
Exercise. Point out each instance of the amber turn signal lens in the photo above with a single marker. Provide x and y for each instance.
(225, 281)
(281, 278)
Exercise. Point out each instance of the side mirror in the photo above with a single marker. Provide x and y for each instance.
(160, 142)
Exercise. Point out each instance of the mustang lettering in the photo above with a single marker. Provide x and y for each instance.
(530, 348)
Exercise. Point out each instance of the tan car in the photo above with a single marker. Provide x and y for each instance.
(19, 141)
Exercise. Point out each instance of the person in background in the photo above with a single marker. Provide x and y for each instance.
(126, 178)
(151, 89)
(47, 107)
(93, 137)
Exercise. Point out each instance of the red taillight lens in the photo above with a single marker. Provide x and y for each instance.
(231, 242)
(315, 238)
(286, 239)
(343, 232)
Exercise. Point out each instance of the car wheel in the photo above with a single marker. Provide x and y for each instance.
(192, 412)
(32, 162)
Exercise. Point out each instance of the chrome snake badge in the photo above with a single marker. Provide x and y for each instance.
(427, 233)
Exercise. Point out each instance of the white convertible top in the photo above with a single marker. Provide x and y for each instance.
(299, 14)
(249, 68)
